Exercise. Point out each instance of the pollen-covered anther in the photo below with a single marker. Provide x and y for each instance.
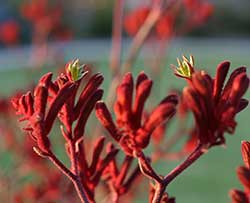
(75, 70)
(185, 67)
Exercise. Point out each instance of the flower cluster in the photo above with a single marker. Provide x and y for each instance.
(59, 98)
(214, 104)
(129, 130)
(243, 173)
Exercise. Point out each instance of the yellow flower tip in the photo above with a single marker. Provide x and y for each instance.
(185, 67)
(75, 70)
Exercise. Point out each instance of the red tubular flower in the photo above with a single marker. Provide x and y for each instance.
(91, 173)
(238, 196)
(129, 130)
(213, 106)
(244, 177)
(34, 107)
(245, 152)
(120, 177)
(243, 173)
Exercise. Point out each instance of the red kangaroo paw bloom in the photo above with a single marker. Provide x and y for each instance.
(53, 99)
(213, 106)
(33, 108)
(129, 130)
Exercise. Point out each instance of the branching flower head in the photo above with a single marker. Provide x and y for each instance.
(214, 104)
(135, 134)
(53, 99)
(243, 173)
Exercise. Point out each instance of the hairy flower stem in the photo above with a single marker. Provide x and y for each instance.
(73, 158)
(159, 190)
(161, 186)
(80, 191)
(179, 169)
(73, 178)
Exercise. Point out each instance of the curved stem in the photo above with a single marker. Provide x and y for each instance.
(179, 169)
(80, 191)
(61, 167)
(159, 191)
(161, 186)
(74, 179)
(73, 157)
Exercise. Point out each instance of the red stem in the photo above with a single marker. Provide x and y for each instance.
(74, 179)
(61, 167)
(179, 169)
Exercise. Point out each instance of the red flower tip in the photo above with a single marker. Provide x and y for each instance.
(142, 92)
(104, 116)
(202, 84)
(242, 105)
(141, 77)
(40, 100)
(94, 82)
(245, 152)
(57, 103)
(84, 114)
(239, 87)
(221, 73)
(244, 177)
(45, 80)
(238, 196)
(124, 100)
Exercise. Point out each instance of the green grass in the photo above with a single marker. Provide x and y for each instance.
(208, 180)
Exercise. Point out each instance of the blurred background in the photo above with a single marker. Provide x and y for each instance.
(70, 29)
(42, 36)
